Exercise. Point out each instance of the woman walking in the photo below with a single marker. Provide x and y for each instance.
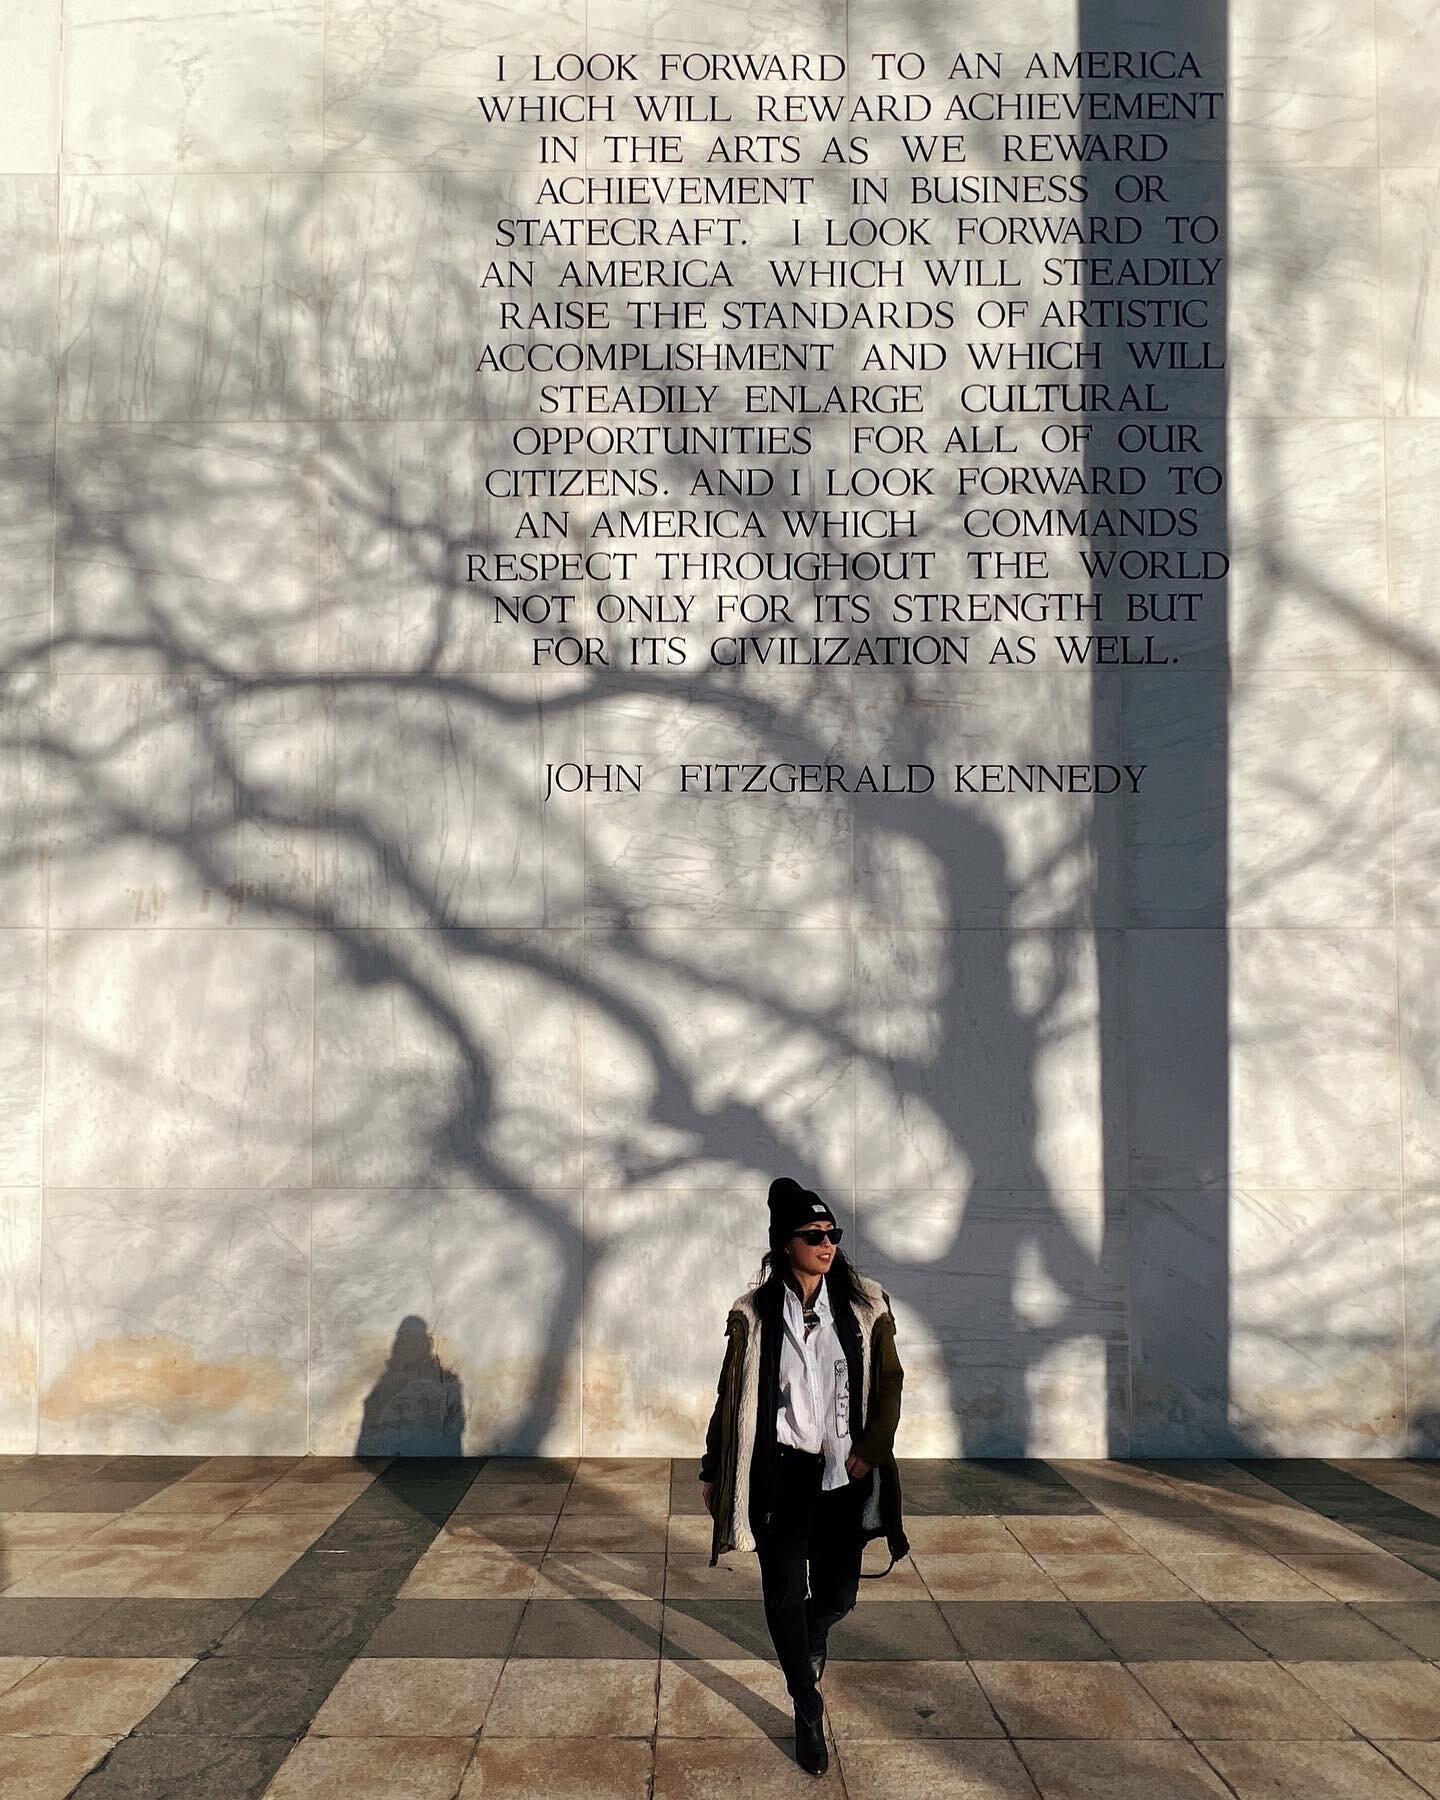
(799, 1462)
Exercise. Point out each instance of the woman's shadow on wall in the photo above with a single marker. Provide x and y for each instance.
(417, 1406)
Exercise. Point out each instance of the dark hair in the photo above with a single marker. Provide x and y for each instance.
(841, 1278)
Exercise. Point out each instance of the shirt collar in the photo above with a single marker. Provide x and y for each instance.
(821, 1301)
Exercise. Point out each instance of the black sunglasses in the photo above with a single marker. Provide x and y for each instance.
(815, 1235)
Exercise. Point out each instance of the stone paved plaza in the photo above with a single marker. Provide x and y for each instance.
(530, 1629)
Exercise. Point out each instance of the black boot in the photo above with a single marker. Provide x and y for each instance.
(810, 1750)
(817, 1660)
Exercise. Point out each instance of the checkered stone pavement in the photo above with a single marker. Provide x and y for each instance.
(547, 1629)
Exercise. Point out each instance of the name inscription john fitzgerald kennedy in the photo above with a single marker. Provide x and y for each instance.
(846, 778)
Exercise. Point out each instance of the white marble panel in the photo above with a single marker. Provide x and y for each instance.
(1304, 298)
(1317, 1360)
(1407, 39)
(713, 1055)
(673, 858)
(445, 1057)
(24, 704)
(785, 26)
(1267, 1322)
(1410, 296)
(29, 247)
(410, 260)
(1307, 544)
(178, 1058)
(447, 1322)
(651, 1365)
(19, 1317)
(180, 544)
(22, 1036)
(1415, 715)
(1011, 1396)
(1267, 802)
(189, 297)
(191, 1343)
(1268, 1057)
(27, 532)
(1039, 1268)
(192, 87)
(30, 39)
(403, 507)
(180, 801)
(1412, 478)
(432, 803)
(979, 1058)
(1020, 859)
(401, 81)
(1419, 958)
(1422, 1319)
(1300, 82)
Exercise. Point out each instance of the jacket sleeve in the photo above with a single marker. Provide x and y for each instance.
(710, 1461)
(877, 1441)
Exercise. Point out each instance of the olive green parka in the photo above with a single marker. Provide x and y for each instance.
(740, 1440)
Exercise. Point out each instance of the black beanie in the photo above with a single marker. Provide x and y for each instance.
(792, 1207)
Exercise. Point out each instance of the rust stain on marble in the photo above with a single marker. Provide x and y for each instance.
(161, 1375)
(18, 1368)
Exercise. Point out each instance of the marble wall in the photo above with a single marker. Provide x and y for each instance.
(350, 1096)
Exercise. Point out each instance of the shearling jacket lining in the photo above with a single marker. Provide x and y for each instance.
(740, 1440)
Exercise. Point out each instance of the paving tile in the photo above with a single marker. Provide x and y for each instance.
(1081, 1699)
(1092, 1535)
(47, 1768)
(1421, 1762)
(690, 1577)
(723, 1700)
(203, 1574)
(409, 1696)
(717, 1630)
(256, 1531)
(16, 1668)
(87, 1696)
(457, 1571)
(338, 1768)
(589, 1628)
(599, 1532)
(1233, 1700)
(529, 1469)
(610, 1574)
(1064, 1769)
(946, 1535)
(509, 1531)
(996, 1575)
(1376, 1576)
(1338, 1771)
(700, 1769)
(1188, 1535)
(1241, 1575)
(903, 1629)
(1414, 1622)
(1305, 1630)
(538, 1499)
(18, 1493)
(1021, 1631)
(919, 1699)
(93, 1495)
(241, 1468)
(935, 1769)
(17, 1566)
(152, 1531)
(1166, 1630)
(239, 1696)
(1132, 1577)
(446, 1628)
(690, 1533)
(291, 1626)
(99, 1573)
(559, 1769)
(1390, 1700)
(31, 1627)
(595, 1696)
(141, 1627)
(43, 1530)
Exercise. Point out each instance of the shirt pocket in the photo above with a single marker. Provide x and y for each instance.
(842, 1397)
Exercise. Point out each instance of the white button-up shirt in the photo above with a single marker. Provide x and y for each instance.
(814, 1410)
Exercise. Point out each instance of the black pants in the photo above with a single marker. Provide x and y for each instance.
(812, 1531)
